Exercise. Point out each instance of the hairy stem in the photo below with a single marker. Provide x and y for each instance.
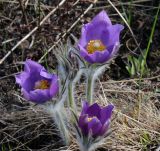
(70, 95)
(71, 89)
(60, 122)
(90, 88)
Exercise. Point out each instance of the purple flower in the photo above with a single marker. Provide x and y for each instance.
(37, 84)
(99, 39)
(94, 119)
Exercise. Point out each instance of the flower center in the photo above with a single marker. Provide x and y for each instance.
(42, 84)
(95, 45)
(90, 118)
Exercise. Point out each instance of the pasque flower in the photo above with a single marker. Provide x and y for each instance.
(99, 39)
(94, 120)
(37, 84)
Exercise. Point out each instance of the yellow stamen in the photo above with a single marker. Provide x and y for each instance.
(42, 84)
(95, 45)
(90, 118)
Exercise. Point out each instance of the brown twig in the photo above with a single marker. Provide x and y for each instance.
(23, 11)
